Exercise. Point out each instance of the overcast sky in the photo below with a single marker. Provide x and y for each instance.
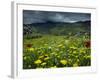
(44, 16)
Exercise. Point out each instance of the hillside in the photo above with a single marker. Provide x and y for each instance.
(59, 28)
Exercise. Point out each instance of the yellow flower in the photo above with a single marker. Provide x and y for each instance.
(60, 45)
(78, 60)
(41, 57)
(46, 55)
(66, 41)
(46, 44)
(44, 63)
(63, 47)
(69, 60)
(87, 57)
(49, 47)
(73, 47)
(31, 49)
(75, 65)
(53, 53)
(46, 58)
(64, 62)
(74, 52)
(54, 67)
(82, 50)
(38, 61)
(25, 57)
(58, 56)
(57, 49)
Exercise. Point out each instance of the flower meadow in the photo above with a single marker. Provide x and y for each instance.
(51, 51)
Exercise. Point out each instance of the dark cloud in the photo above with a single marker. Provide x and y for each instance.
(44, 16)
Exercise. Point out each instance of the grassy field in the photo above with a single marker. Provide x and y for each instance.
(50, 51)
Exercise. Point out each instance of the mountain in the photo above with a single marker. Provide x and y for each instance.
(50, 27)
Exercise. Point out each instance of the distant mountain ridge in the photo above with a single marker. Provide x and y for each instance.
(49, 26)
(88, 21)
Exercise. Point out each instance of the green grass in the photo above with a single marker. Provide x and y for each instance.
(52, 51)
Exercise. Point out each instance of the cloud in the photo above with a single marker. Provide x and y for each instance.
(44, 16)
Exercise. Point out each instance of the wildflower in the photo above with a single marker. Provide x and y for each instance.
(46, 58)
(87, 57)
(58, 56)
(54, 67)
(78, 60)
(44, 63)
(57, 49)
(73, 47)
(66, 41)
(31, 49)
(63, 47)
(46, 44)
(74, 52)
(82, 50)
(41, 57)
(76, 56)
(64, 62)
(49, 47)
(87, 44)
(38, 61)
(60, 45)
(46, 55)
(70, 60)
(75, 65)
(28, 45)
(53, 53)
(25, 57)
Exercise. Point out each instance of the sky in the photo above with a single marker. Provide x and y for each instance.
(44, 16)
